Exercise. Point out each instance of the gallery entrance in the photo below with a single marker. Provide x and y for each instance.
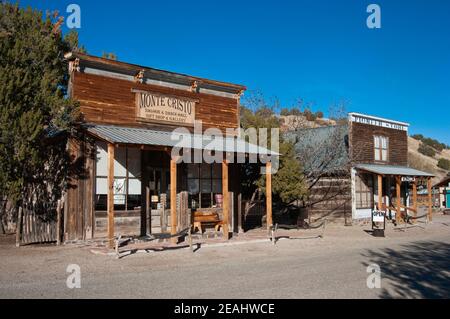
(156, 189)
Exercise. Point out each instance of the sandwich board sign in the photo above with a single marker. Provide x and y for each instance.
(378, 222)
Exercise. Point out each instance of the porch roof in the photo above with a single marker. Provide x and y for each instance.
(392, 170)
(143, 136)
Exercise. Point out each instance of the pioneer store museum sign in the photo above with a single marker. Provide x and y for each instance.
(156, 107)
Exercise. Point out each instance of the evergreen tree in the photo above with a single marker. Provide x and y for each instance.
(33, 105)
(288, 182)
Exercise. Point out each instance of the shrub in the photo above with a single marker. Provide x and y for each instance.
(418, 137)
(319, 114)
(444, 164)
(426, 150)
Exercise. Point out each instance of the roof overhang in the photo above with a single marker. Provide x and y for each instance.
(392, 170)
(142, 136)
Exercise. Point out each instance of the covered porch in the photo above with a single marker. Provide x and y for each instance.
(137, 175)
(392, 189)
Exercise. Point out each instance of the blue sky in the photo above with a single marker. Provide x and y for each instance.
(320, 51)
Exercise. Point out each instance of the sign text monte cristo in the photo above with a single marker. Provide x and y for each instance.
(164, 108)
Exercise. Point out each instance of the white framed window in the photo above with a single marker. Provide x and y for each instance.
(381, 146)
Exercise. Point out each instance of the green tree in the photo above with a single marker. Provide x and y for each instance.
(288, 183)
(71, 38)
(109, 55)
(33, 105)
(426, 150)
(444, 164)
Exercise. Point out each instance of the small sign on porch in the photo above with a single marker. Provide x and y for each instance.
(378, 223)
(409, 179)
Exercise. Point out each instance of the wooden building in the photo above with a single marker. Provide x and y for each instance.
(126, 179)
(443, 192)
(368, 169)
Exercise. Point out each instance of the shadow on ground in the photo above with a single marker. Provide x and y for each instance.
(417, 270)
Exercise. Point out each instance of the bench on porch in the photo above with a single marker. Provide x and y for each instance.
(206, 218)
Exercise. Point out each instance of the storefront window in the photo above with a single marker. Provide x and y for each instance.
(127, 178)
(364, 191)
(204, 181)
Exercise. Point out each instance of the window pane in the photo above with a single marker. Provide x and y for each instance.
(376, 141)
(206, 200)
(134, 162)
(217, 171)
(192, 170)
(205, 171)
(206, 186)
(377, 154)
(193, 187)
(133, 202)
(384, 142)
(217, 186)
(384, 155)
(101, 185)
(102, 159)
(134, 186)
(120, 161)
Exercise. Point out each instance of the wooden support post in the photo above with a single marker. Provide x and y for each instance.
(269, 194)
(225, 200)
(173, 199)
(58, 222)
(110, 196)
(19, 227)
(414, 197)
(430, 200)
(398, 208)
(380, 192)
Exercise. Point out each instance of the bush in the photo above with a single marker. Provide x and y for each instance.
(319, 114)
(426, 150)
(444, 164)
(310, 116)
(418, 137)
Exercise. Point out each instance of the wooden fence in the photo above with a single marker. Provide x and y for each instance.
(33, 228)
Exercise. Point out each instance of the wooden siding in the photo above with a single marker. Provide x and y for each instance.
(106, 100)
(362, 144)
(79, 206)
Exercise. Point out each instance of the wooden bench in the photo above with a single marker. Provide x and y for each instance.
(202, 219)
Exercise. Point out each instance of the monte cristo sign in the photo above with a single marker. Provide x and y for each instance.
(156, 107)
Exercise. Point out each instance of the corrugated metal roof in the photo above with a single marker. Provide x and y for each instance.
(129, 135)
(392, 170)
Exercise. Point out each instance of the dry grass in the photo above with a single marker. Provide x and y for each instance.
(425, 163)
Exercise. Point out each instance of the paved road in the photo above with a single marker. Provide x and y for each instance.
(414, 263)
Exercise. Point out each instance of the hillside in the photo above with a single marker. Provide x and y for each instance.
(426, 163)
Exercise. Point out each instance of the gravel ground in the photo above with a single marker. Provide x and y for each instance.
(414, 263)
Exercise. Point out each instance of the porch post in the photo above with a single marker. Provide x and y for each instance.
(269, 194)
(430, 200)
(399, 210)
(380, 192)
(415, 197)
(173, 199)
(110, 195)
(225, 199)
